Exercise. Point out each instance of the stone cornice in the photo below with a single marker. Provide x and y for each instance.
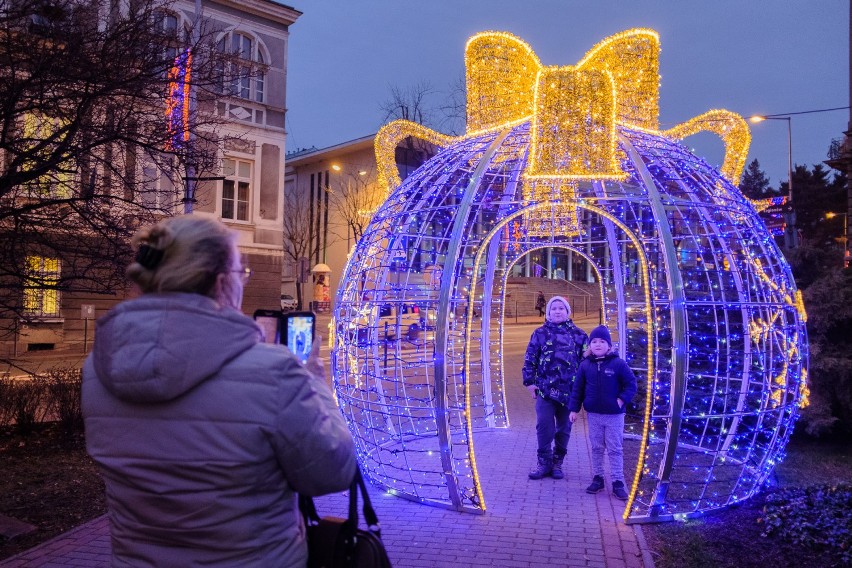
(268, 9)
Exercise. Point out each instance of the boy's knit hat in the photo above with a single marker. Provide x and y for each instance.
(557, 299)
(601, 332)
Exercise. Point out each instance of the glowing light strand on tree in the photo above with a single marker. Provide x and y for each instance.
(178, 102)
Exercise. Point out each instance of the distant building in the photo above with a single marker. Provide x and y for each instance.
(246, 194)
(253, 147)
(335, 191)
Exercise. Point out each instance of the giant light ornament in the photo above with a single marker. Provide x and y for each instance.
(700, 299)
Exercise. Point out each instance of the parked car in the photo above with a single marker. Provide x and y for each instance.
(288, 303)
(388, 321)
(399, 320)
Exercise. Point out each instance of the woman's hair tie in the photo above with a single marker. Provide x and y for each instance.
(148, 256)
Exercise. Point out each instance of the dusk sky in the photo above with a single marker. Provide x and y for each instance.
(750, 57)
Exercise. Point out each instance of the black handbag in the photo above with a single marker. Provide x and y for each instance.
(339, 543)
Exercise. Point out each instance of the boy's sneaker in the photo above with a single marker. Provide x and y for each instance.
(596, 485)
(618, 490)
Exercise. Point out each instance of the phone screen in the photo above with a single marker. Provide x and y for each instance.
(269, 325)
(300, 333)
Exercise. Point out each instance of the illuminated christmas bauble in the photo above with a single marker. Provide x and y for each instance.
(699, 298)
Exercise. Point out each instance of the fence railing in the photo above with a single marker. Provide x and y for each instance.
(580, 304)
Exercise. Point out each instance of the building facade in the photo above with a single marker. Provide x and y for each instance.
(243, 188)
(331, 195)
(252, 141)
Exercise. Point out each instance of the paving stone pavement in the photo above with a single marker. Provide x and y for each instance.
(526, 523)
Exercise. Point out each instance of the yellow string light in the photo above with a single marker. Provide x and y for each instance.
(730, 127)
(573, 110)
(573, 128)
(804, 390)
(563, 207)
(762, 204)
(500, 72)
(761, 331)
(387, 139)
(632, 57)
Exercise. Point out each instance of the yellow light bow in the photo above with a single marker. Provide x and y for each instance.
(389, 137)
(730, 127)
(573, 110)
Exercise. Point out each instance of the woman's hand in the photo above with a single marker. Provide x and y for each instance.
(533, 390)
(314, 364)
(572, 417)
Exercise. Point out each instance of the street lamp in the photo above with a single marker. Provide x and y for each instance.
(832, 215)
(338, 168)
(791, 215)
(760, 118)
(348, 197)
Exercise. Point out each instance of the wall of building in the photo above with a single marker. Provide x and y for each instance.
(335, 238)
(256, 138)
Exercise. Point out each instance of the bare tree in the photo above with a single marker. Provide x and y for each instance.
(445, 111)
(453, 108)
(409, 103)
(355, 197)
(299, 241)
(88, 151)
(414, 103)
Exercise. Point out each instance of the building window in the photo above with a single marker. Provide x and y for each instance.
(41, 293)
(172, 34)
(243, 67)
(44, 136)
(170, 24)
(157, 189)
(236, 189)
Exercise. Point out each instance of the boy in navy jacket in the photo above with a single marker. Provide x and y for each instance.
(604, 386)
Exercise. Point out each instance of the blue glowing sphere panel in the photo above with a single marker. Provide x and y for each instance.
(698, 296)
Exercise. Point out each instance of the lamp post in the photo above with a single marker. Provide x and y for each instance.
(191, 180)
(843, 239)
(760, 118)
(791, 228)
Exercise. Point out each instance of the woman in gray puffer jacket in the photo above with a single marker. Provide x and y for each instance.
(203, 433)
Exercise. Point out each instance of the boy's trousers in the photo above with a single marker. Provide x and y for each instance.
(606, 432)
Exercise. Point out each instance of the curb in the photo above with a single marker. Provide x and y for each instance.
(647, 557)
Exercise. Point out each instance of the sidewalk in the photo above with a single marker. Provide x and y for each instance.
(526, 523)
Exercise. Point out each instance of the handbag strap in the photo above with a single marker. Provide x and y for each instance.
(349, 529)
(309, 510)
(369, 513)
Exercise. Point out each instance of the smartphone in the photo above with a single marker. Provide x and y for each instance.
(299, 329)
(270, 322)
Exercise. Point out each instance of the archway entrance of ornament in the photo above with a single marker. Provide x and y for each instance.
(553, 270)
(620, 268)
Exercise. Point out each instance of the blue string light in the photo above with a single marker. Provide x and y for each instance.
(744, 350)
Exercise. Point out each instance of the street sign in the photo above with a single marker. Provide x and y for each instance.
(87, 312)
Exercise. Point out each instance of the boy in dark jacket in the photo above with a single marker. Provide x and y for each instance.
(604, 386)
(550, 364)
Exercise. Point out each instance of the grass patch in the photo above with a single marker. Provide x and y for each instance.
(818, 517)
(737, 537)
(49, 481)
